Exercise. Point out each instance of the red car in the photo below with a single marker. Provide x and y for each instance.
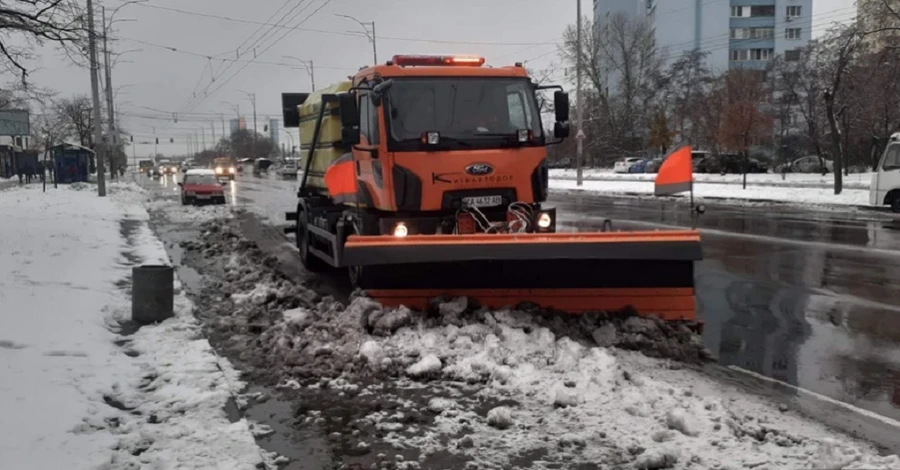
(201, 186)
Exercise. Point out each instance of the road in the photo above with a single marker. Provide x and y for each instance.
(804, 298)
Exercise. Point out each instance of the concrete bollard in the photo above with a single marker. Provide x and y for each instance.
(152, 293)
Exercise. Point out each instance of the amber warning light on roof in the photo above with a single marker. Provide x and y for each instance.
(439, 60)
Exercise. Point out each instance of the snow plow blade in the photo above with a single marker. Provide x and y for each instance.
(652, 272)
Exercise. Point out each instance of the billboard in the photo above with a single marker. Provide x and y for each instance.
(14, 122)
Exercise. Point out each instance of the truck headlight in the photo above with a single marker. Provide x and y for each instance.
(544, 220)
(231, 170)
(400, 230)
(219, 170)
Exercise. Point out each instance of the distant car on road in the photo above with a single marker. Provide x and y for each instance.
(201, 185)
(165, 167)
(624, 165)
(225, 168)
(812, 164)
(705, 162)
(290, 168)
(145, 166)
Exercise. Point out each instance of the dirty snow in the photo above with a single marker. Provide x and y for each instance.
(509, 388)
(76, 391)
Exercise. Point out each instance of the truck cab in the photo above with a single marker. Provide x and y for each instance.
(885, 188)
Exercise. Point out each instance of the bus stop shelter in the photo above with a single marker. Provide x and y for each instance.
(72, 162)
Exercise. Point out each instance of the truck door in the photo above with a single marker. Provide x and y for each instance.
(887, 177)
(367, 156)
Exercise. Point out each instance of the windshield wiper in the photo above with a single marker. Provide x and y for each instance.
(443, 140)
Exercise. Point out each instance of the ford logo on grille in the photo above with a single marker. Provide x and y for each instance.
(479, 169)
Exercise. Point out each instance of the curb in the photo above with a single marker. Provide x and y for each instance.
(799, 184)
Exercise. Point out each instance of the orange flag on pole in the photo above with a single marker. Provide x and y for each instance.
(676, 175)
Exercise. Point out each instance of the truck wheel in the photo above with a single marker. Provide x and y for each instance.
(895, 204)
(311, 262)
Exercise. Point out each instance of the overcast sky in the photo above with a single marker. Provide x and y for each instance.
(214, 62)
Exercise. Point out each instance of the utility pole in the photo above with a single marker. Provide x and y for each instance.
(111, 123)
(203, 137)
(579, 155)
(223, 125)
(312, 75)
(155, 145)
(374, 50)
(95, 98)
(212, 127)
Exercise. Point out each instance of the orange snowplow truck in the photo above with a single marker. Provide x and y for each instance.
(427, 176)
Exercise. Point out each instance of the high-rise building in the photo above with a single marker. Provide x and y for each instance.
(734, 33)
(238, 124)
(273, 132)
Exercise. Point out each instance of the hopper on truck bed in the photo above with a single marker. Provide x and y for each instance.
(427, 176)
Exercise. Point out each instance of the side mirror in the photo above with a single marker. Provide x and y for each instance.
(349, 110)
(561, 105)
(180, 183)
(561, 130)
(379, 90)
(350, 136)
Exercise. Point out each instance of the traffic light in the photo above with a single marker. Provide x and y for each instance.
(266, 128)
(157, 141)
(171, 140)
(132, 138)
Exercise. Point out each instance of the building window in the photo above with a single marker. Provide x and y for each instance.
(752, 33)
(738, 55)
(793, 11)
(792, 56)
(792, 33)
(740, 12)
(761, 54)
(762, 10)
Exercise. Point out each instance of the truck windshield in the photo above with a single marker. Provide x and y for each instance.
(467, 112)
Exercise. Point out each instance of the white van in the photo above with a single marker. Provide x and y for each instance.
(885, 189)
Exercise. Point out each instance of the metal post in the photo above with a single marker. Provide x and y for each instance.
(212, 126)
(111, 124)
(579, 156)
(203, 139)
(374, 50)
(312, 75)
(95, 98)
(223, 125)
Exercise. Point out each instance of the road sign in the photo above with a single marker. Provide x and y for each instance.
(580, 135)
(14, 122)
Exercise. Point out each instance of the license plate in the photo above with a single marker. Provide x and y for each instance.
(203, 196)
(483, 201)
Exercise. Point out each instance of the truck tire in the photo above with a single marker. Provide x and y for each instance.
(895, 204)
(311, 262)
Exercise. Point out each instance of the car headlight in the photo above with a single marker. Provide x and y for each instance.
(231, 170)
(218, 169)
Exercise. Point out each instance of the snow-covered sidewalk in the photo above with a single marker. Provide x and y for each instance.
(76, 390)
(727, 192)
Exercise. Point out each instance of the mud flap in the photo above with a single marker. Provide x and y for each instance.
(652, 272)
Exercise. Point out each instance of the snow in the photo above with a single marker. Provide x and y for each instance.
(71, 394)
(792, 195)
(852, 181)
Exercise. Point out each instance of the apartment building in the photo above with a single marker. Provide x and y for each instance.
(734, 33)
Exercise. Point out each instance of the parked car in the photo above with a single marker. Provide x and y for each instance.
(639, 166)
(654, 165)
(812, 164)
(201, 185)
(734, 163)
(624, 165)
(705, 162)
(885, 188)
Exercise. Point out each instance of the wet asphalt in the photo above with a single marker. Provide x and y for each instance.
(806, 298)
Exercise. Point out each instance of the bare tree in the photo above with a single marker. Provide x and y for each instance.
(839, 50)
(77, 118)
(27, 24)
(745, 120)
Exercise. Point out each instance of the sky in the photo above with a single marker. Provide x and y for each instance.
(195, 68)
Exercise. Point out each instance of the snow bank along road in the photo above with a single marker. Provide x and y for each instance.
(800, 189)
(79, 387)
(463, 387)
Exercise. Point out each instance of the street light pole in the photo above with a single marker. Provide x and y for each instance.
(371, 37)
(95, 98)
(111, 121)
(579, 137)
